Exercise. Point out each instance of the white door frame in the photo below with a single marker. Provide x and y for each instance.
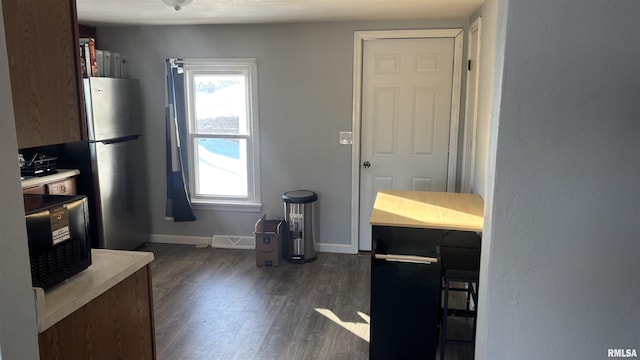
(471, 120)
(358, 44)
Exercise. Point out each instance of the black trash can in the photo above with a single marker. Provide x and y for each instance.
(298, 213)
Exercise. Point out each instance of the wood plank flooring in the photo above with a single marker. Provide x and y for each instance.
(215, 303)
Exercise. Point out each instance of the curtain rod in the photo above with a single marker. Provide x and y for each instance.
(176, 62)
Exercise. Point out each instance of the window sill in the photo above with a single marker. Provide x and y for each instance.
(227, 206)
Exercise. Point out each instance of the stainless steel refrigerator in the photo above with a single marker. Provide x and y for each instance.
(117, 165)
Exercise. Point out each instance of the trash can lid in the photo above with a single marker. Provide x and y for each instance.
(300, 196)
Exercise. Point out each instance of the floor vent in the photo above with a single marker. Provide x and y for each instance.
(233, 242)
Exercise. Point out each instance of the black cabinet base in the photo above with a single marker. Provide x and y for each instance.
(405, 297)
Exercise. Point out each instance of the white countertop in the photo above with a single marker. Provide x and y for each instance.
(108, 268)
(39, 180)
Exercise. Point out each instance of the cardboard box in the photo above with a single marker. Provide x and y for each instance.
(267, 259)
(269, 241)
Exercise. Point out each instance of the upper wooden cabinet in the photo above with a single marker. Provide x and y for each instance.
(43, 54)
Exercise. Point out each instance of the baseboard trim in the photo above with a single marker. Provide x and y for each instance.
(334, 248)
(236, 242)
(180, 239)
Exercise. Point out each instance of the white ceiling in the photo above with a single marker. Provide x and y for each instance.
(105, 12)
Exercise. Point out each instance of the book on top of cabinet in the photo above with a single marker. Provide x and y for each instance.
(88, 54)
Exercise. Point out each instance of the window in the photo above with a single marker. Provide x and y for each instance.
(223, 132)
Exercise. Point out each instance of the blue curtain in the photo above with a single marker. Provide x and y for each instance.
(178, 206)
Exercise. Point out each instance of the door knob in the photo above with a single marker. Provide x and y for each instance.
(366, 164)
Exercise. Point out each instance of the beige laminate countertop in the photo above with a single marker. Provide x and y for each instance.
(39, 180)
(424, 209)
(108, 268)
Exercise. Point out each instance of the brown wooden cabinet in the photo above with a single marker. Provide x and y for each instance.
(46, 84)
(116, 325)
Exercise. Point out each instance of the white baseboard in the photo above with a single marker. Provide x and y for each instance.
(219, 241)
(180, 239)
(236, 242)
(334, 248)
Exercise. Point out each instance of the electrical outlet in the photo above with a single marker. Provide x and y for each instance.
(346, 137)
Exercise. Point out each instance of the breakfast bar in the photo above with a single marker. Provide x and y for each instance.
(407, 232)
(429, 210)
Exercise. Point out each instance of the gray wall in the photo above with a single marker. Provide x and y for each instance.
(18, 331)
(305, 95)
(560, 272)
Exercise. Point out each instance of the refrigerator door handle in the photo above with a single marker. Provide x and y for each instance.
(120, 139)
(407, 258)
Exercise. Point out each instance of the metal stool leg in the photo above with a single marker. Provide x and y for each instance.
(445, 315)
(474, 295)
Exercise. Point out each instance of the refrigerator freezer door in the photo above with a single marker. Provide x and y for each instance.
(121, 195)
(112, 108)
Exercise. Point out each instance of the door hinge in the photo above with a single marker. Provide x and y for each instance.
(469, 65)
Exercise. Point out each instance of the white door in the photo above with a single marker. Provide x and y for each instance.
(407, 93)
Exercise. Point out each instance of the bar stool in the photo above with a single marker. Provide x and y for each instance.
(460, 254)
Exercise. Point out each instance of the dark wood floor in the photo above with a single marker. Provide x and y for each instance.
(216, 304)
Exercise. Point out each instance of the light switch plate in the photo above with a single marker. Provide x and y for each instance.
(346, 137)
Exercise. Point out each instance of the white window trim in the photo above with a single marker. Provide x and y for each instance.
(253, 202)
